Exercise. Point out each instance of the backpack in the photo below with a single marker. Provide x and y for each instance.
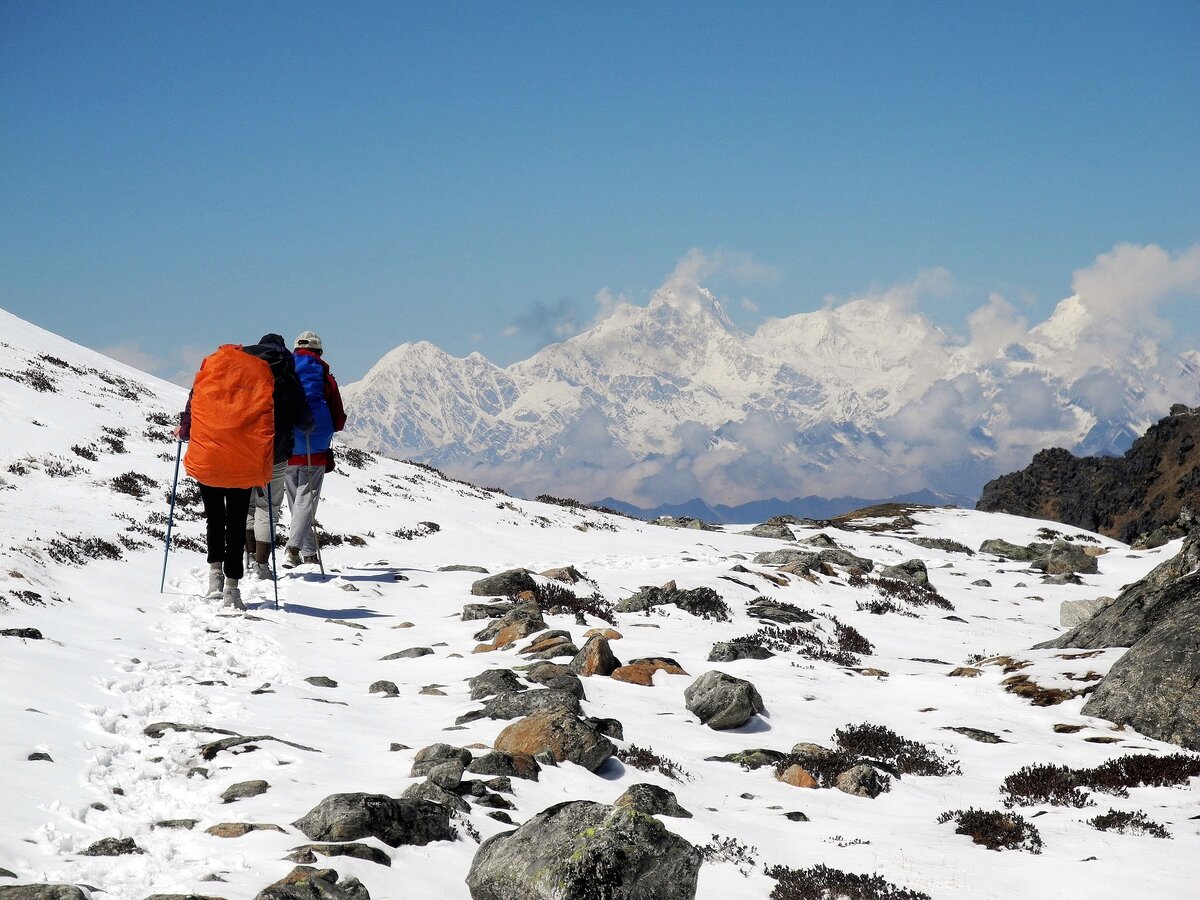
(311, 372)
(233, 420)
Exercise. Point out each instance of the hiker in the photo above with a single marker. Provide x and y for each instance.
(312, 455)
(291, 414)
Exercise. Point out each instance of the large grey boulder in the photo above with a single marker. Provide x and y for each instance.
(494, 681)
(582, 850)
(513, 704)
(520, 621)
(722, 701)
(505, 584)
(1008, 550)
(1076, 612)
(652, 800)
(308, 883)
(351, 817)
(771, 530)
(912, 571)
(1155, 686)
(41, 892)
(1066, 556)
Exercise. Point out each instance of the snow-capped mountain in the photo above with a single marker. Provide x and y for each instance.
(158, 744)
(671, 401)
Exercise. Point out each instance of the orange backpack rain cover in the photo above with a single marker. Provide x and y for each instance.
(233, 420)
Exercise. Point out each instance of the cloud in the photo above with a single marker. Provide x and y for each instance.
(1130, 282)
(510, 331)
(607, 303)
(175, 364)
(993, 327)
(548, 323)
(131, 354)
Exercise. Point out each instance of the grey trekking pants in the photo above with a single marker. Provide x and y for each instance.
(303, 485)
(257, 519)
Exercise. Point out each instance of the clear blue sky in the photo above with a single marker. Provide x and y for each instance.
(176, 175)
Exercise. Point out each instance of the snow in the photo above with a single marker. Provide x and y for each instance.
(119, 656)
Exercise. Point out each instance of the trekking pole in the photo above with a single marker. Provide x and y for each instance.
(311, 480)
(271, 521)
(170, 516)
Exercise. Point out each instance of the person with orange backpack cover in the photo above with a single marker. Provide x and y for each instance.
(229, 424)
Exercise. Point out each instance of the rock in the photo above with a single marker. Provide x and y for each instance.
(795, 816)
(427, 791)
(581, 850)
(321, 681)
(512, 705)
(39, 756)
(474, 611)
(112, 846)
(505, 584)
(384, 687)
(1153, 687)
(976, 734)
(245, 789)
(41, 892)
(448, 775)
(862, 781)
(611, 728)
(1076, 612)
(784, 557)
(729, 651)
(239, 829)
(506, 765)
(652, 800)
(641, 671)
(494, 681)
(821, 541)
(29, 634)
(722, 701)
(352, 816)
(982, 582)
(354, 849)
(549, 645)
(1006, 550)
(461, 568)
(565, 574)
(754, 758)
(307, 883)
(596, 658)
(410, 653)
(1068, 557)
(798, 776)
(520, 621)
(911, 571)
(557, 676)
(434, 755)
(185, 824)
(560, 733)
(778, 532)
(944, 544)
(610, 634)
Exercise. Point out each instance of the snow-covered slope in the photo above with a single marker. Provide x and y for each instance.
(671, 402)
(82, 556)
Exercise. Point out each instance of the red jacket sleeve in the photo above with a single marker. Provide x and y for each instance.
(334, 398)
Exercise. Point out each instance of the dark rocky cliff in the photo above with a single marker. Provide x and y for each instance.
(1123, 497)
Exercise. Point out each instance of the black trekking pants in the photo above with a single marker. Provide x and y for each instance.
(225, 516)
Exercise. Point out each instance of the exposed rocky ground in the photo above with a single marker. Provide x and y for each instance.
(1140, 495)
(494, 698)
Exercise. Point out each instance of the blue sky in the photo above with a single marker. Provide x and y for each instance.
(174, 176)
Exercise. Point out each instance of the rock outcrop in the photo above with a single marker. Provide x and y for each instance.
(1123, 497)
(580, 850)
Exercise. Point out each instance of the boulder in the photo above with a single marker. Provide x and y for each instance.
(520, 621)
(307, 883)
(1068, 557)
(912, 571)
(1076, 612)
(427, 791)
(862, 781)
(730, 651)
(565, 574)
(595, 658)
(352, 849)
(641, 671)
(1153, 687)
(434, 755)
(775, 611)
(768, 530)
(511, 705)
(561, 734)
(582, 850)
(353, 816)
(244, 789)
(1007, 550)
(722, 701)
(504, 584)
(505, 765)
(784, 557)
(652, 800)
(494, 681)
(42, 892)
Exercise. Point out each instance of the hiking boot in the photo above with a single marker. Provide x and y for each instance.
(233, 597)
(310, 559)
(261, 571)
(291, 558)
(216, 584)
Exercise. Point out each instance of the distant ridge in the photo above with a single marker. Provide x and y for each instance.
(755, 511)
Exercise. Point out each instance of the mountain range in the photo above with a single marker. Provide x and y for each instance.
(672, 402)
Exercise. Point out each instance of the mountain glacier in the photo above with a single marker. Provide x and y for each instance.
(672, 401)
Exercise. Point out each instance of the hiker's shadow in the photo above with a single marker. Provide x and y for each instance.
(355, 613)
